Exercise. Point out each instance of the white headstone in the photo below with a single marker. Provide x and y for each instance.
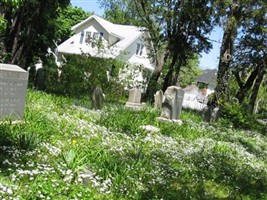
(134, 100)
(98, 98)
(13, 89)
(172, 104)
(158, 97)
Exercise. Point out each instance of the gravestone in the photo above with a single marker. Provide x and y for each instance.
(211, 114)
(172, 105)
(40, 79)
(134, 100)
(206, 114)
(13, 88)
(98, 98)
(158, 98)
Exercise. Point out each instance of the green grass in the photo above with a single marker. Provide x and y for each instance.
(62, 149)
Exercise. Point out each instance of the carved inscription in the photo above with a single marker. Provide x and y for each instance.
(13, 86)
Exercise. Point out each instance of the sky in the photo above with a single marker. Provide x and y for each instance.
(207, 61)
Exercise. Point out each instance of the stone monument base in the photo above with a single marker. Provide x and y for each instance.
(135, 106)
(175, 121)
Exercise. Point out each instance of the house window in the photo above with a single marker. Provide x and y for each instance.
(95, 35)
(101, 34)
(87, 36)
(81, 37)
(139, 49)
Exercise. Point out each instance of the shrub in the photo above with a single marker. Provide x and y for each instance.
(81, 74)
(238, 116)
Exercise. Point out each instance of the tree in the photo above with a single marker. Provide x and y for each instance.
(182, 26)
(250, 57)
(233, 15)
(190, 72)
(177, 30)
(127, 12)
(3, 25)
(120, 12)
(236, 13)
(30, 29)
(67, 18)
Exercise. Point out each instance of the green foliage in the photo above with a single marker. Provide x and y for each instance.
(67, 18)
(3, 24)
(262, 99)
(77, 73)
(249, 64)
(115, 122)
(238, 116)
(190, 72)
(81, 74)
(25, 37)
(28, 140)
(121, 12)
(88, 154)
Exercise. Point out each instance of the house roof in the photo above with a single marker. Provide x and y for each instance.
(126, 33)
(108, 26)
(208, 76)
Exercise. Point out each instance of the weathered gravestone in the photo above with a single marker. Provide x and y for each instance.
(98, 98)
(172, 105)
(158, 98)
(134, 100)
(40, 79)
(13, 88)
(211, 114)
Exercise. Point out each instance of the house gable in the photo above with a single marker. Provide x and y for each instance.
(117, 41)
(136, 53)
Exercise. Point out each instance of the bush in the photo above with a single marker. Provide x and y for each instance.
(81, 74)
(239, 116)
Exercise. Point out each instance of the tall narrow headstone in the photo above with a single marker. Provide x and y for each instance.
(40, 79)
(98, 98)
(172, 104)
(13, 89)
(134, 100)
(158, 98)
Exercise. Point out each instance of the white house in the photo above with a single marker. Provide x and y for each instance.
(99, 38)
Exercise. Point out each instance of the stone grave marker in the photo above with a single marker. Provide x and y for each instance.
(172, 105)
(40, 79)
(13, 89)
(211, 114)
(98, 98)
(158, 98)
(134, 100)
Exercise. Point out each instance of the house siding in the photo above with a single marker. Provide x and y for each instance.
(94, 27)
(129, 54)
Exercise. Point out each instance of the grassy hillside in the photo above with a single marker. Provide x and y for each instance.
(65, 150)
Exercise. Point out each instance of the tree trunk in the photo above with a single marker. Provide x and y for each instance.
(255, 91)
(152, 85)
(261, 72)
(244, 88)
(19, 37)
(221, 90)
(169, 76)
